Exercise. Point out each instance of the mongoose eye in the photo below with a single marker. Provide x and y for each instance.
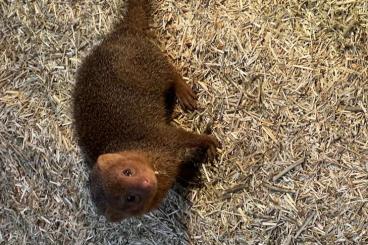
(130, 198)
(128, 172)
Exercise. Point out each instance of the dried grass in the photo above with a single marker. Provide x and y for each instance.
(285, 84)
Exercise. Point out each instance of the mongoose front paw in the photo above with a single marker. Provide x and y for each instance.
(186, 96)
(212, 144)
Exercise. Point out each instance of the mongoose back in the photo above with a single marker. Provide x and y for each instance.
(124, 96)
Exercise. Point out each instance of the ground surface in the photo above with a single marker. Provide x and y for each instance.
(284, 82)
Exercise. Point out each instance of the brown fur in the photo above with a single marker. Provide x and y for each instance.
(123, 101)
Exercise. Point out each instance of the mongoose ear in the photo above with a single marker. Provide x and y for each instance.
(105, 160)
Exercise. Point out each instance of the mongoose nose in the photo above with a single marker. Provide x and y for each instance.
(146, 183)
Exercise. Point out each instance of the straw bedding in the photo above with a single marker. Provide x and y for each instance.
(283, 83)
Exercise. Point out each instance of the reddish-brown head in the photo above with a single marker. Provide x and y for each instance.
(123, 184)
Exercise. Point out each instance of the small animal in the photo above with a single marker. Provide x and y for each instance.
(123, 101)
